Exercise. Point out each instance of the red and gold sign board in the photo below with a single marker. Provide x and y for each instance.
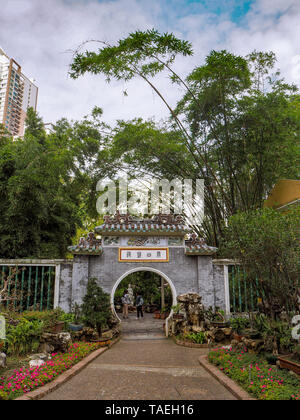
(143, 254)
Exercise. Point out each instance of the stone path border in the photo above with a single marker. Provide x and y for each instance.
(228, 383)
(190, 344)
(64, 377)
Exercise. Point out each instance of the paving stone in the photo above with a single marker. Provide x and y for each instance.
(139, 367)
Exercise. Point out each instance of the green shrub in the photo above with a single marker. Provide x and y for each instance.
(24, 338)
(198, 338)
(239, 324)
(24, 330)
(96, 309)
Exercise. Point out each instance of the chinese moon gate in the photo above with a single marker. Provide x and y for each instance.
(123, 245)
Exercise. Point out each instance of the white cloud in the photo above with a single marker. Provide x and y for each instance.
(38, 35)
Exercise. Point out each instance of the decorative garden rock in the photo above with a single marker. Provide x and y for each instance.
(46, 348)
(40, 356)
(191, 306)
(36, 363)
(60, 342)
(192, 312)
(107, 334)
(254, 346)
(227, 332)
(2, 360)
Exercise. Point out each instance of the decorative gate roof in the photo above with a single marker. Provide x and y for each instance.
(87, 246)
(161, 224)
(198, 246)
(126, 225)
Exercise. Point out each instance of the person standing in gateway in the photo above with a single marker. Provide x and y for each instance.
(125, 302)
(139, 306)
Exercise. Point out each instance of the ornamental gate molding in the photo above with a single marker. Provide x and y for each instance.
(124, 244)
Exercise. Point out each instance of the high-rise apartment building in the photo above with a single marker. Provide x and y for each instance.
(17, 94)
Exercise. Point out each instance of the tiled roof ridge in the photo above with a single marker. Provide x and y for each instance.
(89, 245)
(125, 223)
(160, 219)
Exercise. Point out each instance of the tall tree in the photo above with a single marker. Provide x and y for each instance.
(35, 126)
(42, 188)
(237, 125)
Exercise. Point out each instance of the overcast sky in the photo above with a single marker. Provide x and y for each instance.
(39, 34)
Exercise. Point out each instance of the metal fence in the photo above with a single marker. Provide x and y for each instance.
(31, 288)
(244, 294)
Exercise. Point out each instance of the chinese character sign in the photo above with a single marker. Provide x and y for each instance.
(145, 254)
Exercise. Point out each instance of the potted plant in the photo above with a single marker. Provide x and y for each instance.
(176, 309)
(76, 325)
(157, 314)
(218, 320)
(53, 322)
(96, 310)
(164, 313)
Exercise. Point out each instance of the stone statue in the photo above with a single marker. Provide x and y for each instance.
(130, 293)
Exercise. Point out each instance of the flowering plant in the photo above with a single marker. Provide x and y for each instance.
(26, 379)
(255, 375)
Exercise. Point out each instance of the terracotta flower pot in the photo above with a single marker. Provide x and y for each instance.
(58, 327)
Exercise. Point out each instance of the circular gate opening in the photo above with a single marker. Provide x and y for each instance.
(158, 296)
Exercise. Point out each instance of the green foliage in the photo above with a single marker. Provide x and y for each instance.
(277, 334)
(24, 330)
(35, 126)
(45, 184)
(266, 242)
(148, 285)
(214, 314)
(48, 318)
(239, 324)
(138, 54)
(96, 309)
(24, 338)
(198, 338)
(176, 308)
(236, 126)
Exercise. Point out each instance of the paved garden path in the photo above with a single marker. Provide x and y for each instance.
(144, 365)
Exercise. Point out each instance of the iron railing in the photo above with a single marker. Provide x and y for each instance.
(31, 288)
